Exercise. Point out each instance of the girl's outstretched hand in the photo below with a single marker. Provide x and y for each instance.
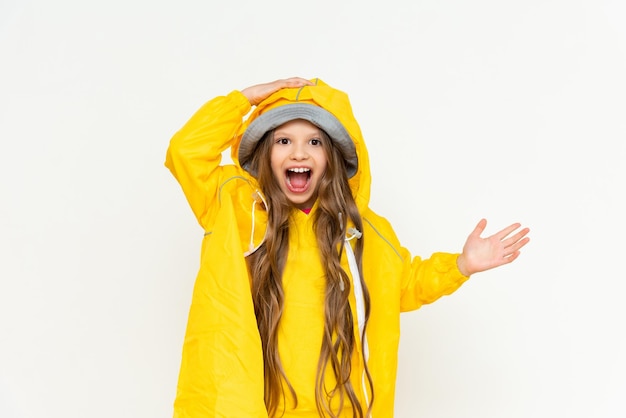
(256, 94)
(480, 254)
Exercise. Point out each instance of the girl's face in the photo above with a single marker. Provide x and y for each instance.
(298, 161)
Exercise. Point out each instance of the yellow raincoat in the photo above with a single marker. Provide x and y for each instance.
(221, 373)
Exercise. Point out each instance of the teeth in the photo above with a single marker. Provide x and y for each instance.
(299, 170)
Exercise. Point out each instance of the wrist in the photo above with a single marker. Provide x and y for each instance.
(461, 265)
(246, 92)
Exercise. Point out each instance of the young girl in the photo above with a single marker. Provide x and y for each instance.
(296, 307)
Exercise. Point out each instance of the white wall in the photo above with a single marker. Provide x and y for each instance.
(514, 111)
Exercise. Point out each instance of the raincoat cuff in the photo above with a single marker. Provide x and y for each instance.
(240, 101)
(456, 267)
(446, 264)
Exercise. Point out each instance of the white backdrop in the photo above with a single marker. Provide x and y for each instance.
(513, 111)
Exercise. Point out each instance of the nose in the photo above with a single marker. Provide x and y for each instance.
(299, 152)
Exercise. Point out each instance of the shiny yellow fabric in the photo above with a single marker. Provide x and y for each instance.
(222, 367)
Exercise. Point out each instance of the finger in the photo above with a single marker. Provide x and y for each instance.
(506, 231)
(510, 258)
(515, 238)
(480, 228)
(296, 82)
(518, 245)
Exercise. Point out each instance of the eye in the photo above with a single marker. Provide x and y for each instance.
(315, 142)
(282, 141)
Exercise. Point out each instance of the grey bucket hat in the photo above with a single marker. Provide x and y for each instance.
(318, 116)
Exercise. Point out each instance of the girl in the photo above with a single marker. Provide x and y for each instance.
(295, 310)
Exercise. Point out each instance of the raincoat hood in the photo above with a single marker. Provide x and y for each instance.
(325, 107)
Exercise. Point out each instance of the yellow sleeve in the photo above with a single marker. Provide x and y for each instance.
(426, 280)
(418, 281)
(195, 152)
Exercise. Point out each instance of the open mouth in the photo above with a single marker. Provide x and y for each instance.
(298, 179)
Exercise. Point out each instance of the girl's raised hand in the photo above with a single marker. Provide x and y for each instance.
(480, 254)
(256, 94)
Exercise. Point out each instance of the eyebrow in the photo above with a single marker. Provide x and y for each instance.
(318, 132)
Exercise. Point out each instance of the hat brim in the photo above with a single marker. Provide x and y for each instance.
(318, 116)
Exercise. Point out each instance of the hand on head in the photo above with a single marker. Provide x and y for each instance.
(257, 93)
(480, 254)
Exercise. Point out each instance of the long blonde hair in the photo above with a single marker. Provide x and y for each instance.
(336, 206)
